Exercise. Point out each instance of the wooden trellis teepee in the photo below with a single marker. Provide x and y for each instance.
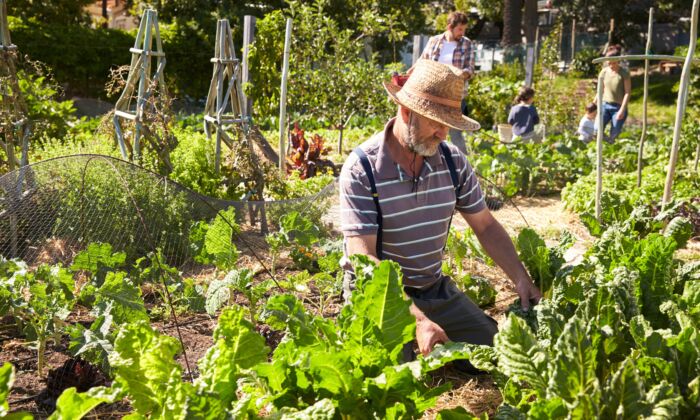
(14, 121)
(224, 105)
(149, 82)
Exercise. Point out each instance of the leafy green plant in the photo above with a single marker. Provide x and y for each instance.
(43, 302)
(7, 378)
(241, 281)
(542, 262)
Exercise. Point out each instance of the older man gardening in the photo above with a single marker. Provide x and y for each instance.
(398, 191)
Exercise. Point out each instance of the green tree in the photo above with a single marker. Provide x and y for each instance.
(329, 79)
(631, 17)
(65, 12)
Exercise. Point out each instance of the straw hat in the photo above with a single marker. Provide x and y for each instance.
(434, 90)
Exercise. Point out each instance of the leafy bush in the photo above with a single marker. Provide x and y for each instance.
(321, 54)
(583, 62)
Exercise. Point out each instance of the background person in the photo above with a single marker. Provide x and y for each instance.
(617, 86)
(587, 126)
(453, 48)
(523, 116)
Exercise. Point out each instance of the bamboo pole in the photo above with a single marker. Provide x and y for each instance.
(417, 40)
(697, 158)
(283, 95)
(599, 150)
(680, 106)
(219, 52)
(610, 34)
(640, 154)
(248, 39)
(573, 40)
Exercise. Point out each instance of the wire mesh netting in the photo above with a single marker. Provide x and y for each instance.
(71, 201)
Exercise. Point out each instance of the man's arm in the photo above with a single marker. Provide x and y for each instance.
(500, 248)
(428, 333)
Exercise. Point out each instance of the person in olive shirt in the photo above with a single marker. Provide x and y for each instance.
(617, 87)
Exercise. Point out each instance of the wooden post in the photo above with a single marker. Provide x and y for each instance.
(417, 40)
(640, 153)
(537, 43)
(682, 102)
(599, 150)
(573, 39)
(283, 94)
(610, 34)
(697, 157)
(248, 38)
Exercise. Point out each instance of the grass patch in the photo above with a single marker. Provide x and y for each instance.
(661, 103)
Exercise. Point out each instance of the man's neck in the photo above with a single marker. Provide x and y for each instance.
(409, 161)
(449, 37)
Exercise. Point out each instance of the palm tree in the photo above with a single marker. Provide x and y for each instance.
(512, 16)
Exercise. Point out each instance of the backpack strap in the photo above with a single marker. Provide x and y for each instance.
(364, 161)
(447, 155)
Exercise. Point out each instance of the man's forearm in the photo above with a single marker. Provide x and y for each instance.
(500, 248)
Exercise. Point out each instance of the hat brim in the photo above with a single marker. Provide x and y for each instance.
(449, 116)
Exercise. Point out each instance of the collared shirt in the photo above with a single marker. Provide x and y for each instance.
(462, 57)
(415, 213)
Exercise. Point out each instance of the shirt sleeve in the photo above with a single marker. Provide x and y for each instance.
(470, 198)
(427, 51)
(469, 56)
(511, 116)
(358, 214)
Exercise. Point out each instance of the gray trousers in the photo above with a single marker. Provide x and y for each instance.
(446, 305)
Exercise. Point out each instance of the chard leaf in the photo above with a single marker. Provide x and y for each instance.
(624, 395)
(218, 240)
(665, 402)
(7, 378)
(332, 373)
(236, 347)
(321, 410)
(573, 376)
(520, 355)
(123, 297)
(384, 304)
(144, 369)
(75, 405)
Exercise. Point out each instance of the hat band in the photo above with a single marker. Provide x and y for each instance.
(433, 98)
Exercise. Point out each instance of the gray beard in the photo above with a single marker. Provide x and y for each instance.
(421, 148)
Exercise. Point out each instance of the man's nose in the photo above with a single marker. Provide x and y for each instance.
(442, 131)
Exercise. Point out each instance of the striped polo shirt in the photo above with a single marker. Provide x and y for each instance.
(415, 213)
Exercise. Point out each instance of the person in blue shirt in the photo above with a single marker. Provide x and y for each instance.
(523, 117)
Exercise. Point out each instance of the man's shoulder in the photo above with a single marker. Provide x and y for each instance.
(369, 146)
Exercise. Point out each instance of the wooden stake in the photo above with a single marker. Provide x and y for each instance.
(697, 158)
(599, 150)
(283, 94)
(248, 39)
(573, 39)
(682, 102)
(416, 48)
(640, 154)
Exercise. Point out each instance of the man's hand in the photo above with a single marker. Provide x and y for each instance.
(620, 115)
(528, 293)
(428, 334)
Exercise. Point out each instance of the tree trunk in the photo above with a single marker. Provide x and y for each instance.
(530, 20)
(512, 16)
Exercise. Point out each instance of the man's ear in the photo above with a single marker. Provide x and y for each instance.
(404, 113)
